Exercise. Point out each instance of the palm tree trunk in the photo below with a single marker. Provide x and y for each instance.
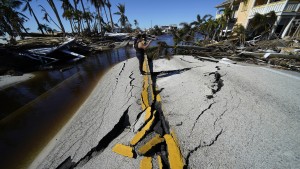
(51, 3)
(226, 27)
(87, 21)
(111, 19)
(99, 17)
(37, 21)
(79, 22)
(105, 14)
(24, 28)
(71, 26)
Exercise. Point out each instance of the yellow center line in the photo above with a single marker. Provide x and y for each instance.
(160, 164)
(153, 142)
(123, 150)
(139, 135)
(146, 163)
(175, 158)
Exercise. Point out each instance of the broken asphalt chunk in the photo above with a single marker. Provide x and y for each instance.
(124, 150)
(150, 144)
(175, 158)
(146, 163)
(139, 135)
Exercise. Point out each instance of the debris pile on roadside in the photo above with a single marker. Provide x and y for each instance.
(279, 53)
(36, 53)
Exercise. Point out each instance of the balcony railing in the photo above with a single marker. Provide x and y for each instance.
(263, 9)
(291, 7)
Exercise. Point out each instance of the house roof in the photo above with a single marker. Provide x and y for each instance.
(225, 3)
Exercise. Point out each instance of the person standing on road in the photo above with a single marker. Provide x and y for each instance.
(140, 47)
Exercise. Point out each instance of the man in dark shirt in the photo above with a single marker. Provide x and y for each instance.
(140, 47)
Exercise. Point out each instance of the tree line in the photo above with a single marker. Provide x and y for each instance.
(82, 21)
(217, 29)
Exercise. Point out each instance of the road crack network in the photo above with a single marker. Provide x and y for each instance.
(213, 141)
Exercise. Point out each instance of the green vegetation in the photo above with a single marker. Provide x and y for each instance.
(211, 29)
(11, 20)
(82, 21)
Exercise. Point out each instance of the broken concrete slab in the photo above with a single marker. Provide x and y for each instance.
(153, 142)
(142, 119)
(124, 150)
(250, 122)
(170, 65)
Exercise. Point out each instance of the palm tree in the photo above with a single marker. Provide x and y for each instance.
(88, 17)
(68, 12)
(221, 24)
(11, 21)
(98, 5)
(200, 20)
(227, 14)
(69, 15)
(107, 3)
(123, 18)
(188, 31)
(85, 15)
(47, 17)
(105, 10)
(262, 24)
(74, 11)
(136, 23)
(52, 5)
(46, 28)
(240, 31)
(208, 28)
(29, 8)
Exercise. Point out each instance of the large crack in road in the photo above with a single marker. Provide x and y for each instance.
(102, 144)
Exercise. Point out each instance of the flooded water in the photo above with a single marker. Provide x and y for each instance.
(34, 111)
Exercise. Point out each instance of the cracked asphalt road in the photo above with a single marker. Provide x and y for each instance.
(104, 118)
(231, 116)
(224, 116)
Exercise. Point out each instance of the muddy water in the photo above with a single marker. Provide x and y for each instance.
(32, 112)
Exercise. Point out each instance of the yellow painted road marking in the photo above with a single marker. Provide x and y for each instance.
(153, 142)
(142, 133)
(145, 101)
(160, 164)
(158, 98)
(175, 158)
(174, 155)
(123, 150)
(148, 114)
(146, 163)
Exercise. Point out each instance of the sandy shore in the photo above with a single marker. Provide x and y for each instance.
(8, 80)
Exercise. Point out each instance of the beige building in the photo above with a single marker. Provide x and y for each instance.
(287, 11)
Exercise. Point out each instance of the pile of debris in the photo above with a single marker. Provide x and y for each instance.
(36, 53)
(279, 53)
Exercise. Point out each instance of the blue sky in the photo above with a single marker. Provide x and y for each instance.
(160, 12)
